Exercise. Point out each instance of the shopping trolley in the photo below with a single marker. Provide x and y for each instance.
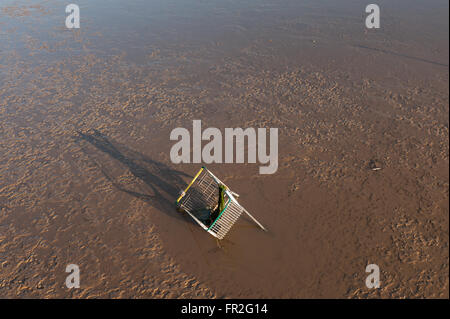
(200, 198)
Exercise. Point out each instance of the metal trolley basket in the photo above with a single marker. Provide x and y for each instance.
(200, 198)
